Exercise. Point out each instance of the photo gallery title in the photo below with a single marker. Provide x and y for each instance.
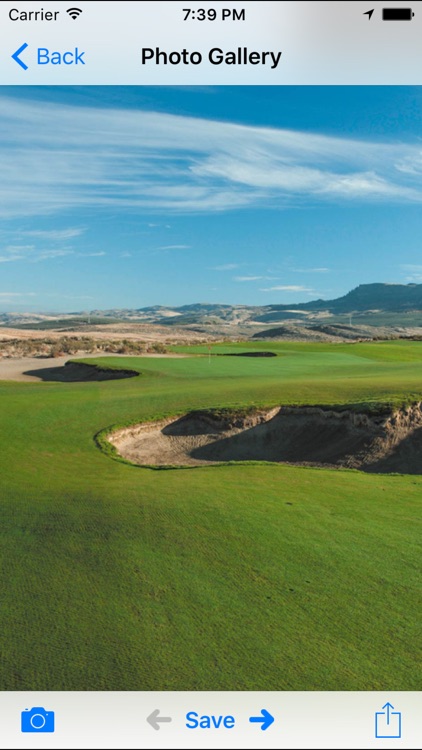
(216, 56)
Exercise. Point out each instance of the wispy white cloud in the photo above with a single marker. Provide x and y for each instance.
(174, 247)
(413, 271)
(11, 253)
(31, 253)
(133, 160)
(18, 248)
(54, 235)
(44, 246)
(48, 254)
(254, 278)
(411, 267)
(70, 296)
(17, 294)
(287, 288)
(310, 270)
(248, 278)
(225, 267)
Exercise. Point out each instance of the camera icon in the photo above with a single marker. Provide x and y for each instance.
(37, 720)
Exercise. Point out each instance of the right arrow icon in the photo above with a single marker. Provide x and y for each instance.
(265, 719)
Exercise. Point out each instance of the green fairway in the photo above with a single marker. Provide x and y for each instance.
(231, 577)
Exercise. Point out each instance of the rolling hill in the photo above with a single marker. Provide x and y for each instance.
(394, 309)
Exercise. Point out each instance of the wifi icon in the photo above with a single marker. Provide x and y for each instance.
(74, 12)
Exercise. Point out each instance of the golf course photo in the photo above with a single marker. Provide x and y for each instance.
(210, 389)
(249, 576)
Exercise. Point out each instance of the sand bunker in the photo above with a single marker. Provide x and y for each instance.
(248, 354)
(78, 372)
(33, 369)
(303, 435)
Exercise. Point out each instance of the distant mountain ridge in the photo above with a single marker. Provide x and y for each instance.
(388, 297)
(391, 299)
(365, 297)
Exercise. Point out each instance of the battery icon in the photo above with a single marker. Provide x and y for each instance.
(397, 14)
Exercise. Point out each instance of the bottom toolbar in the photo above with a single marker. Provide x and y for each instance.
(210, 719)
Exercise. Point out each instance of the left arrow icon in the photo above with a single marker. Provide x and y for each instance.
(16, 57)
(155, 719)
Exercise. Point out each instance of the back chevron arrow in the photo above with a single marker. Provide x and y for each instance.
(16, 57)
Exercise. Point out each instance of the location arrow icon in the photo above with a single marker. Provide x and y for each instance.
(155, 719)
(16, 57)
(369, 13)
(265, 719)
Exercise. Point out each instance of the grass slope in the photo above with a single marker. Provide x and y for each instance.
(268, 577)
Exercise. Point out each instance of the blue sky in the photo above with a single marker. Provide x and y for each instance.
(134, 196)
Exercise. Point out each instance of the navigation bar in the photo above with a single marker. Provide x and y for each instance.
(210, 43)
